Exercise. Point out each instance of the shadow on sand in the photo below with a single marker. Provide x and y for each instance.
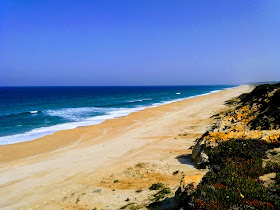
(165, 204)
(185, 159)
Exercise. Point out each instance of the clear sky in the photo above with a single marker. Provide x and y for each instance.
(138, 42)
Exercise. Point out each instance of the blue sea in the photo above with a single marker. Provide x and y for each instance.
(27, 113)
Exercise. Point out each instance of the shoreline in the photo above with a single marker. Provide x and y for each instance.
(85, 124)
(112, 158)
(45, 139)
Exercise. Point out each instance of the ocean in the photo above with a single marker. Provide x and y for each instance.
(27, 113)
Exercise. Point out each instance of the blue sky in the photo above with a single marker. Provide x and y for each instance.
(139, 42)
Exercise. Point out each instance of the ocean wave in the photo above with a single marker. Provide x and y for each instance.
(76, 114)
(139, 100)
(33, 112)
(43, 131)
(21, 113)
(189, 97)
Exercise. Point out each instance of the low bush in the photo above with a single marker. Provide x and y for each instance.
(233, 180)
(156, 186)
(161, 194)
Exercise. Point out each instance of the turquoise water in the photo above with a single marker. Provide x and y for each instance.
(28, 113)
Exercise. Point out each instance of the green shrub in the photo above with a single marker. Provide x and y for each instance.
(156, 186)
(233, 180)
(266, 97)
(161, 194)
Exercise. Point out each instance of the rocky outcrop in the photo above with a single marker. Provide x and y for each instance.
(255, 115)
(183, 196)
(201, 150)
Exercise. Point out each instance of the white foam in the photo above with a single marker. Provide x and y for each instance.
(43, 131)
(139, 100)
(75, 113)
(135, 100)
(33, 112)
(28, 112)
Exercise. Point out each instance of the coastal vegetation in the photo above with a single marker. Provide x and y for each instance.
(234, 178)
(241, 152)
(156, 186)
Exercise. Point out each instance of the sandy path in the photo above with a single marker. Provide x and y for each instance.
(103, 165)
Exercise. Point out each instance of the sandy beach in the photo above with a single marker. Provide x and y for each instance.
(109, 165)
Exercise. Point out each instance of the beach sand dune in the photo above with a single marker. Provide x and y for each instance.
(112, 164)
